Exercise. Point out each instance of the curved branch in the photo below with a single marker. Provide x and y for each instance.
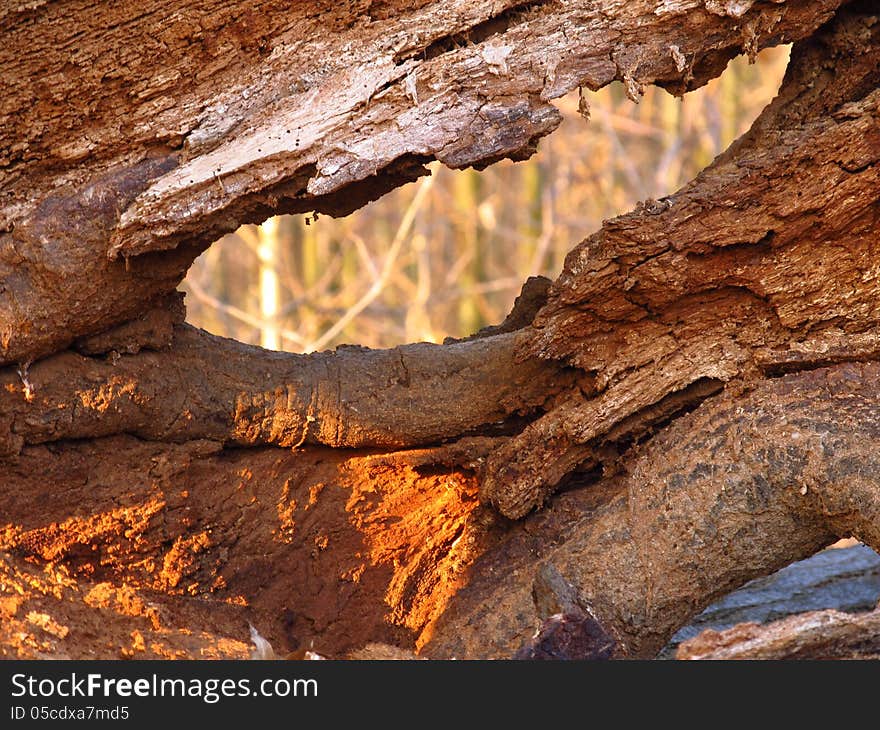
(207, 387)
(766, 262)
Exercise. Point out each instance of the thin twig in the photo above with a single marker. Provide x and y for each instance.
(199, 293)
(379, 284)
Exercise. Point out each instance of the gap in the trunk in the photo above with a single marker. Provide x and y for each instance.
(448, 254)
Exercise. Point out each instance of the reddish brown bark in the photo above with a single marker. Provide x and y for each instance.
(766, 262)
(207, 387)
(656, 359)
(318, 546)
(134, 135)
(333, 549)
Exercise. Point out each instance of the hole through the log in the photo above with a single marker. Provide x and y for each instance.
(423, 265)
(845, 576)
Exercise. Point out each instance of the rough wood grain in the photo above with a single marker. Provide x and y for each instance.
(767, 261)
(812, 635)
(346, 548)
(133, 136)
(763, 265)
(328, 549)
(740, 487)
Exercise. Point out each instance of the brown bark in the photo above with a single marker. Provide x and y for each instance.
(740, 487)
(659, 357)
(336, 549)
(766, 262)
(812, 635)
(207, 387)
(655, 313)
(134, 135)
(316, 547)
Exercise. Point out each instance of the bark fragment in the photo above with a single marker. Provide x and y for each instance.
(813, 635)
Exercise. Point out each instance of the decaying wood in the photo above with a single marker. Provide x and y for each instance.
(738, 488)
(654, 313)
(134, 135)
(318, 548)
(767, 261)
(208, 387)
(333, 549)
(812, 635)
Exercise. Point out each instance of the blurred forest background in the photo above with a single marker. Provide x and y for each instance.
(447, 255)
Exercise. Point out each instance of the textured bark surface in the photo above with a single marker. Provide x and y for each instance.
(699, 378)
(322, 548)
(134, 135)
(333, 550)
(738, 488)
(207, 387)
(766, 262)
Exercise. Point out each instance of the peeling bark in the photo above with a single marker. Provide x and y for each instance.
(766, 262)
(811, 635)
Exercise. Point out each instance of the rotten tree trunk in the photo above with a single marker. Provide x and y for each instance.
(765, 264)
(116, 174)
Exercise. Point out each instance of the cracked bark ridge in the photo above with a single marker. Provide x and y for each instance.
(114, 175)
(740, 487)
(766, 262)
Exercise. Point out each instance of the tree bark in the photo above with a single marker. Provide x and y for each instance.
(766, 262)
(740, 487)
(318, 548)
(700, 376)
(333, 549)
(812, 635)
(116, 174)
(207, 387)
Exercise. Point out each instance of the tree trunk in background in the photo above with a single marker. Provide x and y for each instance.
(698, 377)
(270, 295)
